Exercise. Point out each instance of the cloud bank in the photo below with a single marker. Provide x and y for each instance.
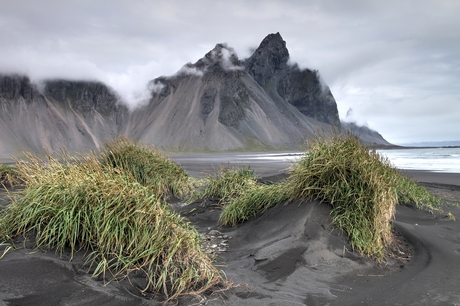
(395, 63)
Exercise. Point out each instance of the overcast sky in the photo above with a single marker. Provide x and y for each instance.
(395, 63)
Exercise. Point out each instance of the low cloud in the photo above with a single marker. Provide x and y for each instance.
(189, 69)
(228, 58)
(156, 86)
(134, 85)
(222, 54)
(350, 117)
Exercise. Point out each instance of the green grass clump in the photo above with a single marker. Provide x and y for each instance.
(361, 186)
(409, 192)
(253, 201)
(229, 183)
(357, 183)
(241, 195)
(148, 166)
(9, 176)
(122, 226)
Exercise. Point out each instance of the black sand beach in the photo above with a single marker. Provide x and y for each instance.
(291, 255)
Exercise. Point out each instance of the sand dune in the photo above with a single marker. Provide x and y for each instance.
(291, 255)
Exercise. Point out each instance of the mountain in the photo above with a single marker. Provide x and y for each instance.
(366, 134)
(218, 103)
(75, 115)
(303, 89)
(223, 103)
(436, 144)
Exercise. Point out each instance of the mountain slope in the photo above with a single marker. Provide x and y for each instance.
(75, 115)
(218, 103)
(366, 134)
(269, 67)
(219, 106)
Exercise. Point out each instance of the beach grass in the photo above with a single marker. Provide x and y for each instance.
(148, 166)
(9, 176)
(357, 182)
(228, 182)
(252, 202)
(240, 194)
(81, 203)
(361, 186)
(409, 192)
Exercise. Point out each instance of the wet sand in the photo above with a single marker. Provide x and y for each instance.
(291, 255)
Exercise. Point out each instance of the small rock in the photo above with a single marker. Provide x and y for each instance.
(214, 233)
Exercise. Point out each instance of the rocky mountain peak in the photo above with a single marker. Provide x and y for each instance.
(273, 43)
(269, 59)
(221, 58)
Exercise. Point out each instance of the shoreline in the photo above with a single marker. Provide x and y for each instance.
(448, 178)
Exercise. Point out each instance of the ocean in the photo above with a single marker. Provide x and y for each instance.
(430, 159)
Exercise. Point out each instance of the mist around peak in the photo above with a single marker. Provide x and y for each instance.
(218, 103)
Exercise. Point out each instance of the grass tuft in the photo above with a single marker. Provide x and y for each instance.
(409, 192)
(451, 216)
(228, 183)
(76, 204)
(361, 186)
(148, 166)
(9, 176)
(252, 202)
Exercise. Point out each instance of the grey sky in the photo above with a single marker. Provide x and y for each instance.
(396, 63)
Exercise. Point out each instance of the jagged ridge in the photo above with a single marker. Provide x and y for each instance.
(218, 103)
(225, 103)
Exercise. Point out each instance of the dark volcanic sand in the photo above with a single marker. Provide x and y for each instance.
(291, 255)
